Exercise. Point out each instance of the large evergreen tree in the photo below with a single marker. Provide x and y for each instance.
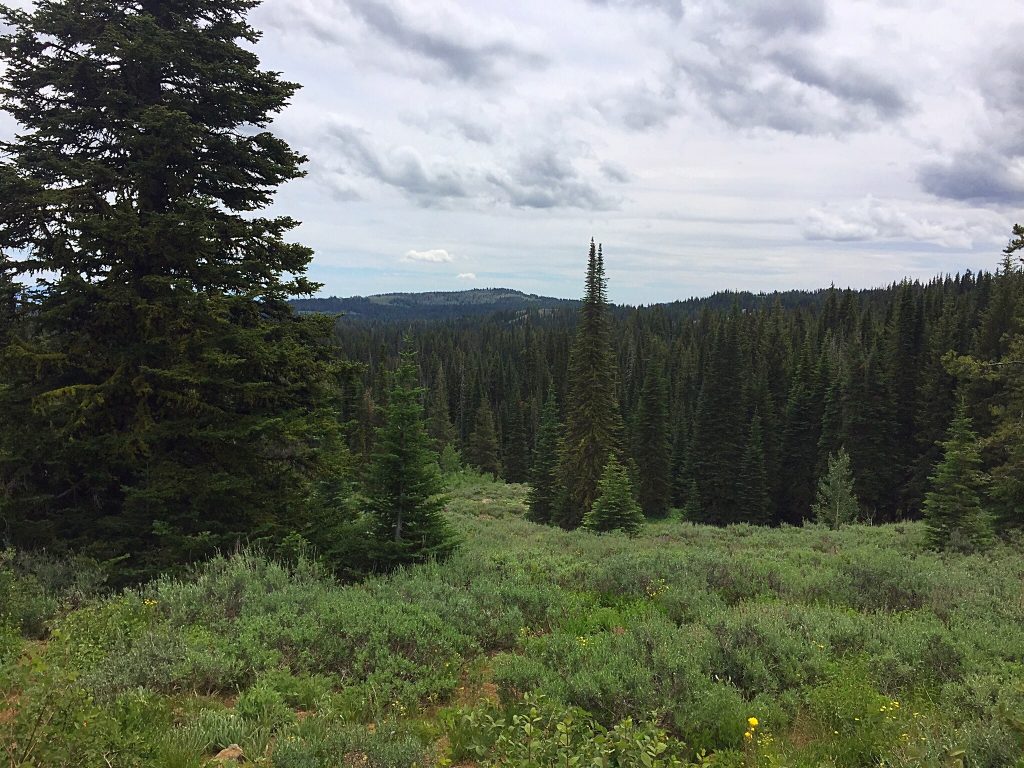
(593, 428)
(545, 483)
(653, 450)
(403, 482)
(162, 398)
(482, 446)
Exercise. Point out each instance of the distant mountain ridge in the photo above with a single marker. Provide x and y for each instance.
(433, 305)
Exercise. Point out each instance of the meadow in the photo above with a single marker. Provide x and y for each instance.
(532, 646)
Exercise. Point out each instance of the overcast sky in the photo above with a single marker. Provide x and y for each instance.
(709, 144)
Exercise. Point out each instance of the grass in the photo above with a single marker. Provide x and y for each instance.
(533, 646)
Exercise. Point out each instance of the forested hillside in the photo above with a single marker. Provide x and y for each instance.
(752, 392)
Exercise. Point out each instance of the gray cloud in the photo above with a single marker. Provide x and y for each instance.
(462, 60)
(615, 172)
(641, 108)
(545, 178)
(976, 176)
(989, 170)
(847, 82)
(775, 16)
(401, 168)
(671, 8)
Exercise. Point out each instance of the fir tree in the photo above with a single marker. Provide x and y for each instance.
(836, 504)
(952, 507)
(545, 487)
(593, 429)
(403, 482)
(440, 426)
(482, 446)
(615, 508)
(653, 452)
(755, 503)
(162, 399)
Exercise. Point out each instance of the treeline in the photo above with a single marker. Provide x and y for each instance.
(734, 412)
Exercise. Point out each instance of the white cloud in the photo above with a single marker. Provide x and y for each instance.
(433, 256)
(466, 276)
(873, 219)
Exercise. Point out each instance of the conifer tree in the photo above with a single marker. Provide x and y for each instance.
(952, 507)
(755, 503)
(593, 429)
(615, 508)
(515, 452)
(163, 399)
(653, 452)
(716, 449)
(440, 426)
(545, 487)
(482, 446)
(403, 482)
(836, 503)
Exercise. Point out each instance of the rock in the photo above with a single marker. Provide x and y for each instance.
(232, 753)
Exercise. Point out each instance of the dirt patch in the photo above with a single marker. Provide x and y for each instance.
(9, 708)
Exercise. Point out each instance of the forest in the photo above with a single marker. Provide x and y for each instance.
(240, 526)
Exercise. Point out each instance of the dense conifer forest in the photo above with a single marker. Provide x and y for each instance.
(486, 529)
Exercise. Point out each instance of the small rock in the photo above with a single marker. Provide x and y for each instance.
(229, 753)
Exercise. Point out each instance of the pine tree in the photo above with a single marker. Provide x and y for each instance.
(836, 504)
(162, 398)
(755, 503)
(482, 446)
(440, 426)
(545, 488)
(615, 508)
(403, 482)
(515, 452)
(952, 508)
(593, 429)
(653, 452)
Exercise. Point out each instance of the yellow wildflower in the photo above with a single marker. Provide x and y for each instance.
(752, 722)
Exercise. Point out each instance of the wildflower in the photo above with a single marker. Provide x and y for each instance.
(748, 735)
(752, 722)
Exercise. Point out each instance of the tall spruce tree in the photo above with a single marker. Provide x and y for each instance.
(653, 450)
(593, 429)
(952, 507)
(162, 399)
(545, 483)
(754, 500)
(482, 446)
(403, 482)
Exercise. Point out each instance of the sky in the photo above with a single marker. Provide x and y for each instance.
(708, 144)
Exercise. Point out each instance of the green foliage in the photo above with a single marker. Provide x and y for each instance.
(482, 446)
(686, 629)
(615, 508)
(161, 399)
(593, 428)
(403, 483)
(538, 732)
(653, 451)
(836, 504)
(545, 483)
(952, 508)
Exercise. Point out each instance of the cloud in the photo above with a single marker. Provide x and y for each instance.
(466, 276)
(671, 8)
(873, 219)
(976, 176)
(433, 256)
(546, 178)
(990, 168)
(401, 167)
(615, 172)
